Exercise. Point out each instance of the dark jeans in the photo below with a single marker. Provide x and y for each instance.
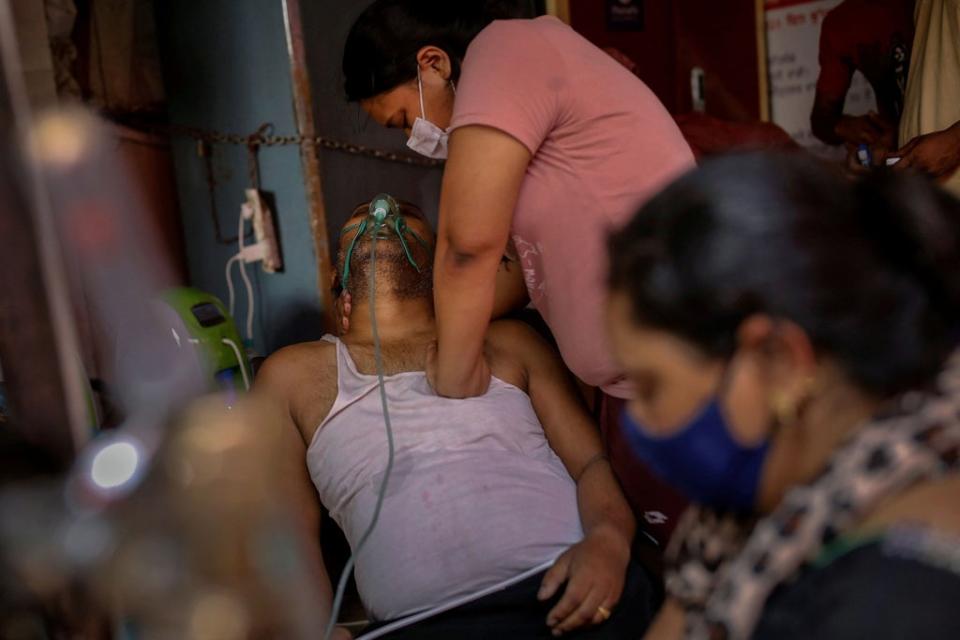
(515, 612)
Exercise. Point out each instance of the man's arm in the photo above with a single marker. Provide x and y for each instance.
(276, 380)
(594, 569)
(830, 125)
(833, 83)
(825, 118)
(827, 121)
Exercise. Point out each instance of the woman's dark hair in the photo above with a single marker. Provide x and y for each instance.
(870, 269)
(381, 48)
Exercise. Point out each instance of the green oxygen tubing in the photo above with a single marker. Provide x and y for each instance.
(383, 222)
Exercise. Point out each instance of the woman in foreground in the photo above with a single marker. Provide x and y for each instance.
(791, 337)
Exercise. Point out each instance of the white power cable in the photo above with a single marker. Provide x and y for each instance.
(230, 281)
(243, 370)
(250, 305)
(243, 272)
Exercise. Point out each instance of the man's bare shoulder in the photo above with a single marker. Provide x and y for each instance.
(287, 368)
(513, 348)
(506, 334)
(303, 377)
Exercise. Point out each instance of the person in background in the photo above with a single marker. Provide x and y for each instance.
(873, 37)
(930, 126)
(550, 143)
(792, 336)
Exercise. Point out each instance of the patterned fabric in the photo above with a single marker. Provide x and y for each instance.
(722, 568)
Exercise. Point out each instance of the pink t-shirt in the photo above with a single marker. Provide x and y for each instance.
(602, 144)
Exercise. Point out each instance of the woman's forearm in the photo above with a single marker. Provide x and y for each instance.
(464, 285)
(481, 183)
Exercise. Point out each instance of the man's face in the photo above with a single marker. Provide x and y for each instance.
(393, 267)
(412, 216)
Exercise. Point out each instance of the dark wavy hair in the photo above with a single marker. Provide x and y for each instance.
(381, 48)
(870, 269)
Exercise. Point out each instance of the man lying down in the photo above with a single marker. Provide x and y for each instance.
(505, 493)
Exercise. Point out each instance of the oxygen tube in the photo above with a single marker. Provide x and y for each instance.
(383, 215)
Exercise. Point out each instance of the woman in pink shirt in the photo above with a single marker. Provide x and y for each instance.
(549, 143)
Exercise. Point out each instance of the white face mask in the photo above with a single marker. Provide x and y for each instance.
(427, 138)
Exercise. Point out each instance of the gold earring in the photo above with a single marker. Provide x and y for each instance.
(787, 408)
(784, 409)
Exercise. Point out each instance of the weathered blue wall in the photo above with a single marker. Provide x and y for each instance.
(226, 68)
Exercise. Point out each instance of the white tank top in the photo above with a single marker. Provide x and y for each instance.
(476, 496)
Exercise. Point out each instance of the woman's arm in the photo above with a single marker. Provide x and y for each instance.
(481, 183)
(594, 569)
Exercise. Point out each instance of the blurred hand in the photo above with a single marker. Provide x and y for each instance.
(594, 571)
(937, 154)
(853, 161)
(872, 129)
(474, 383)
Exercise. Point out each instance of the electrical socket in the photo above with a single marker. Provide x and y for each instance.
(264, 231)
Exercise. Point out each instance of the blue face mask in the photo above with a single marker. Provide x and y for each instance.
(702, 460)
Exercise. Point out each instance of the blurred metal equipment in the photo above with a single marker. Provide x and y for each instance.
(207, 547)
(37, 340)
(176, 524)
(116, 261)
(194, 541)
